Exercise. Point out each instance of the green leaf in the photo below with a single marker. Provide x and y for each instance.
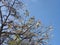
(16, 41)
(13, 42)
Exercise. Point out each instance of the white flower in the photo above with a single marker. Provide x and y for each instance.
(26, 13)
(3, 1)
(38, 24)
(50, 28)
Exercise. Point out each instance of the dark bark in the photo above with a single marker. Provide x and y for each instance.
(1, 28)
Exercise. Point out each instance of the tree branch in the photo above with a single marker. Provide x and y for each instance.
(1, 23)
(9, 12)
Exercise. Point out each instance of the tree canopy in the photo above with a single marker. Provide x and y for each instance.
(18, 28)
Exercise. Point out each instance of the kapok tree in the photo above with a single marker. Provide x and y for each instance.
(18, 28)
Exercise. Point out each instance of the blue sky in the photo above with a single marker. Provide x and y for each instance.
(48, 11)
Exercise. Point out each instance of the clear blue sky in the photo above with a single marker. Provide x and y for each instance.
(48, 11)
